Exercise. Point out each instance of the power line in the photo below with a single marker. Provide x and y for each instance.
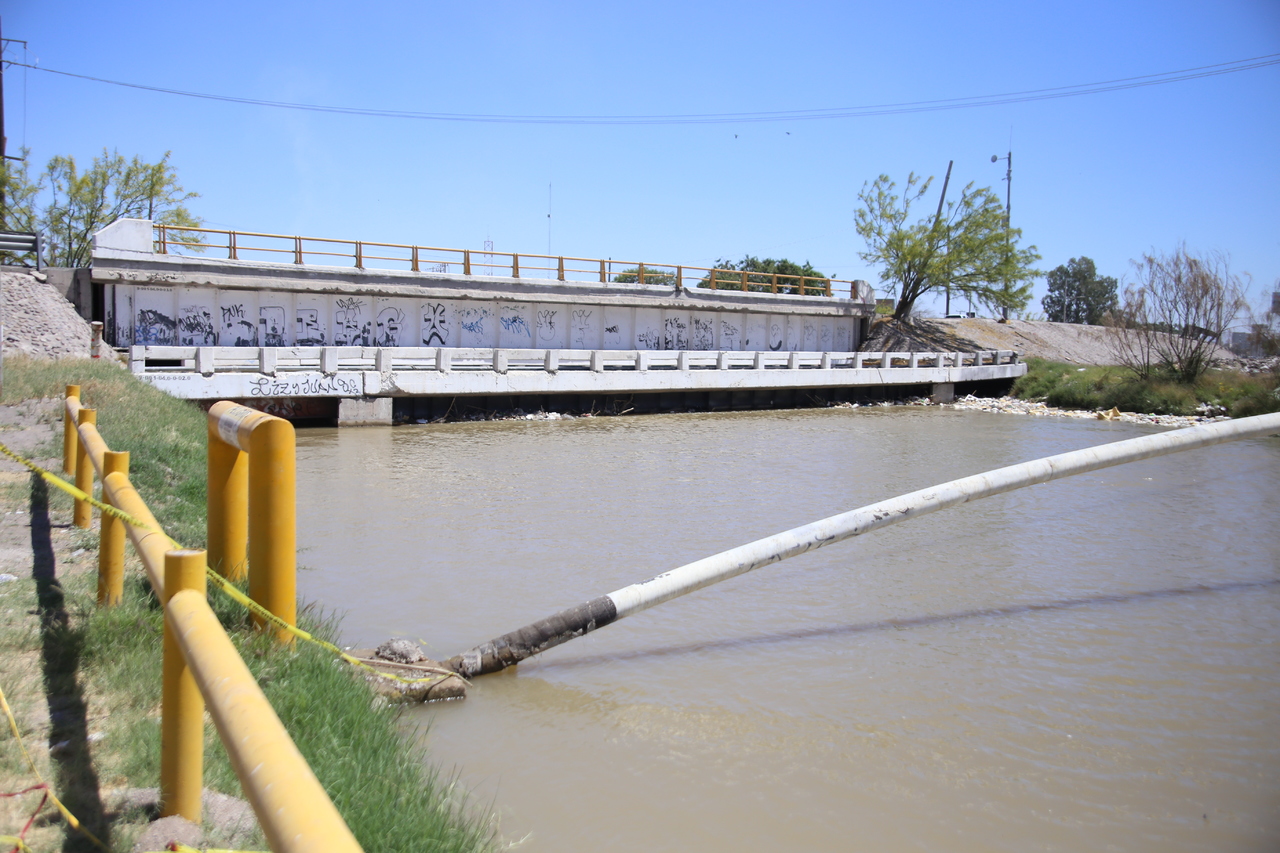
(733, 118)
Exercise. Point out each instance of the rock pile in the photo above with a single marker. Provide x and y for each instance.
(39, 321)
(1014, 406)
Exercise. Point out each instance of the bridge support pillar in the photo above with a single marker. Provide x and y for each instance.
(364, 411)
(943, 392)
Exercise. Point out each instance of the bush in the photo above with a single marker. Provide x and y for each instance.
(1176, 313)
(1099, 388)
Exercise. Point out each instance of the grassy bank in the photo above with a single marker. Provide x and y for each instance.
(1068, 386)
(110, 659)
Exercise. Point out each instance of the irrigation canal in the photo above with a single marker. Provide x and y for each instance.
(1088, 664)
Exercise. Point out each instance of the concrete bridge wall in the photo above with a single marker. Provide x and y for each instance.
(164, 300)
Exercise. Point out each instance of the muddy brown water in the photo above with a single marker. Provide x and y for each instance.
(1089, 664)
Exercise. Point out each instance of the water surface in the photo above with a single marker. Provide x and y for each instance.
(1089, 664)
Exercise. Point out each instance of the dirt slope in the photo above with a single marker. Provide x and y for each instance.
(1064, 342)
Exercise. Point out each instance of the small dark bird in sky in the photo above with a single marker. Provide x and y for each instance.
(788, 133)
(735, 136)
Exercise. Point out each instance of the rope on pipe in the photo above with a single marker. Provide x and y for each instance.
(514, 647)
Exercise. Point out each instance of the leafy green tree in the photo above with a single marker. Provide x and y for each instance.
(68, 205)
(1077, 294)
(760, 275)
(651, 276)
(19, 211)
(969, 248)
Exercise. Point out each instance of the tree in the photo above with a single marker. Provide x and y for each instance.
(1077, 294)
(790, 276)
(651, 276)
(1175, 314)
(67, 205)
(19, 211)
(969, 248)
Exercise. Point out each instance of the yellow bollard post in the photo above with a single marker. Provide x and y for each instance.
(272, 520)
(228, 507)
(111, 539)
(70, 439)
(83, 516)
(182, 706)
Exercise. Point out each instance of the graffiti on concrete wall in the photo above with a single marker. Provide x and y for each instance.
(283, 386)
(271, 323)
(775, 335)
(809, 336)
(475, 331)
(238, 329)
(514, 323)
(435, 324)
(196, 328)
(842, 336)
(308, 331)
(390, 320)
(205, 316)
(154, 328)
(676, 334)
(730, 336)
(582, 329)
(704, 333)
(351, 325)
(547, 325)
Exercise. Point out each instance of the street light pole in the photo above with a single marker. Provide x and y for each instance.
(1008, 208)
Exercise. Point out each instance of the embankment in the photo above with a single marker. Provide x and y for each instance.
(85, 681)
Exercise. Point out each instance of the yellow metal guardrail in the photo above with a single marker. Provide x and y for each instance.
(256, 244)
(201, 666)
(252, 504)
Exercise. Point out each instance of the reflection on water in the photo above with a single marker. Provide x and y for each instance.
(1086, 664)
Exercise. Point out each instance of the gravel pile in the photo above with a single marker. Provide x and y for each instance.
(39, 321)
(1014, 406)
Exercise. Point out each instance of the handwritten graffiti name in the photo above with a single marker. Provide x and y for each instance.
(516, 324)
(325, 386)
(546, 325)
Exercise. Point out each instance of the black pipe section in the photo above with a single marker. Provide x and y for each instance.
(510, 649)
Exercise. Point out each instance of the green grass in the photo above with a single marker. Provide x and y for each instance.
(165, 436)
(1099, 388)
(379, 780)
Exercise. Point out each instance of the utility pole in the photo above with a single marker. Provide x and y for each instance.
(4, 206)
(938, 218)
(1008, 210)
(4, 155)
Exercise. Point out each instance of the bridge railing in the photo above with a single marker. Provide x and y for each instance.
(293, 249)
(272, 361)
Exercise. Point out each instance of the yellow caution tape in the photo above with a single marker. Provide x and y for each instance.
(218, 580)
(182, 848)
(16, 842)
(67, 815)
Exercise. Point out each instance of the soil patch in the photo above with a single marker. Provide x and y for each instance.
(1063, 342)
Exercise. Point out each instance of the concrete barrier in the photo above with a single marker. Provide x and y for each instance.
(366, 373)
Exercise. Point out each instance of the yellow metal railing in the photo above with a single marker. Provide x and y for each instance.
(256, 245)
(201, 666)
(252, 505)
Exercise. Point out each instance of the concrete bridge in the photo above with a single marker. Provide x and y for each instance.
(361, 337)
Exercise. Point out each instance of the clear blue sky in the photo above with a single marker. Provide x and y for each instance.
(1105, 175)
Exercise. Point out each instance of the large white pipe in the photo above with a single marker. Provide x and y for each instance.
(576, 621)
